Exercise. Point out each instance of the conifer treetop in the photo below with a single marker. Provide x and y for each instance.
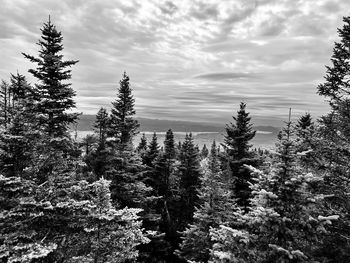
(123, 126)
(55, 96)
(239, 133)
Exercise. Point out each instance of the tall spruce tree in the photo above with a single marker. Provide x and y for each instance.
(333, 145)
(237, 154)
(165, 184)
(123, 126)
(217, 208)
(189, 177)
(55, 96)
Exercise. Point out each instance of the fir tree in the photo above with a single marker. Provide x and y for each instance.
(152, 151)
(142, 147)
(19, 137)
(189, 176)
(65, 221)
(123, 126)
(216, 208)
(333, 144)
(237, 153)
(284, 222)
(89, 143)
(4, 103)
(113, 234)
(130, 182)
(55, 96)
(99, 159)
(305, 132)
(101, 126)
(204, 152)
(165, 183)
(169, 144)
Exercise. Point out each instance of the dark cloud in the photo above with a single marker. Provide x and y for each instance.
(169, 8)
(331, 6)
(272, 26)
(226, 75)
(204, 11)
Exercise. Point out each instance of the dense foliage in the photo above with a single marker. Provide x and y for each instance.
(103, 200)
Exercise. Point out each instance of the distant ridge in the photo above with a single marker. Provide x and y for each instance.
(85, 123)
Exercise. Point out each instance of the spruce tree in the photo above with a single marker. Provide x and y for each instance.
(101, 126)
(333, 144)
(237, 154)
(123, 126)
(55, 96)
(88, 143)
(18, 138)
(4, 103)
(285, 222)
(99, 160)
(305, 131)
(204, 152)
(165, 183)
(169, 144)
(152, 151)
(189, 177)
(65, 221)
(217, 208)
(142, 147)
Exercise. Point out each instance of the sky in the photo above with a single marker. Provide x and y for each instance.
(187, 60)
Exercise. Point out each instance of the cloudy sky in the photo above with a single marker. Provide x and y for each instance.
(187, 60)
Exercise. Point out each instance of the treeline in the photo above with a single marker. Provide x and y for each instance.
(104, 200)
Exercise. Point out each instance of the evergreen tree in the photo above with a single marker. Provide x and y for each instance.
(204, 152)
(55, 96)
(89, 143)
(142, 147)
(101, 126)
(285, 222)
(113, 235)
(169, 144)
(99, 159)
(189, 176)
(305, 132)
(152, 151)
(18, 138)
(216, 208)
(165, 183)
(237, 154)
(123, 126)
(130, 182)
(64, 221)
(4, 103)
(333, 144)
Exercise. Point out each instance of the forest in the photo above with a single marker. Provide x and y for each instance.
(103, 199)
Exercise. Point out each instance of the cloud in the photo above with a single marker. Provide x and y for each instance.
(226, 75)
(169, 8)
(204, 11)
(193, 60)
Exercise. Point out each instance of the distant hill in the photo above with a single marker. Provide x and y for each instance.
(86, 122)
